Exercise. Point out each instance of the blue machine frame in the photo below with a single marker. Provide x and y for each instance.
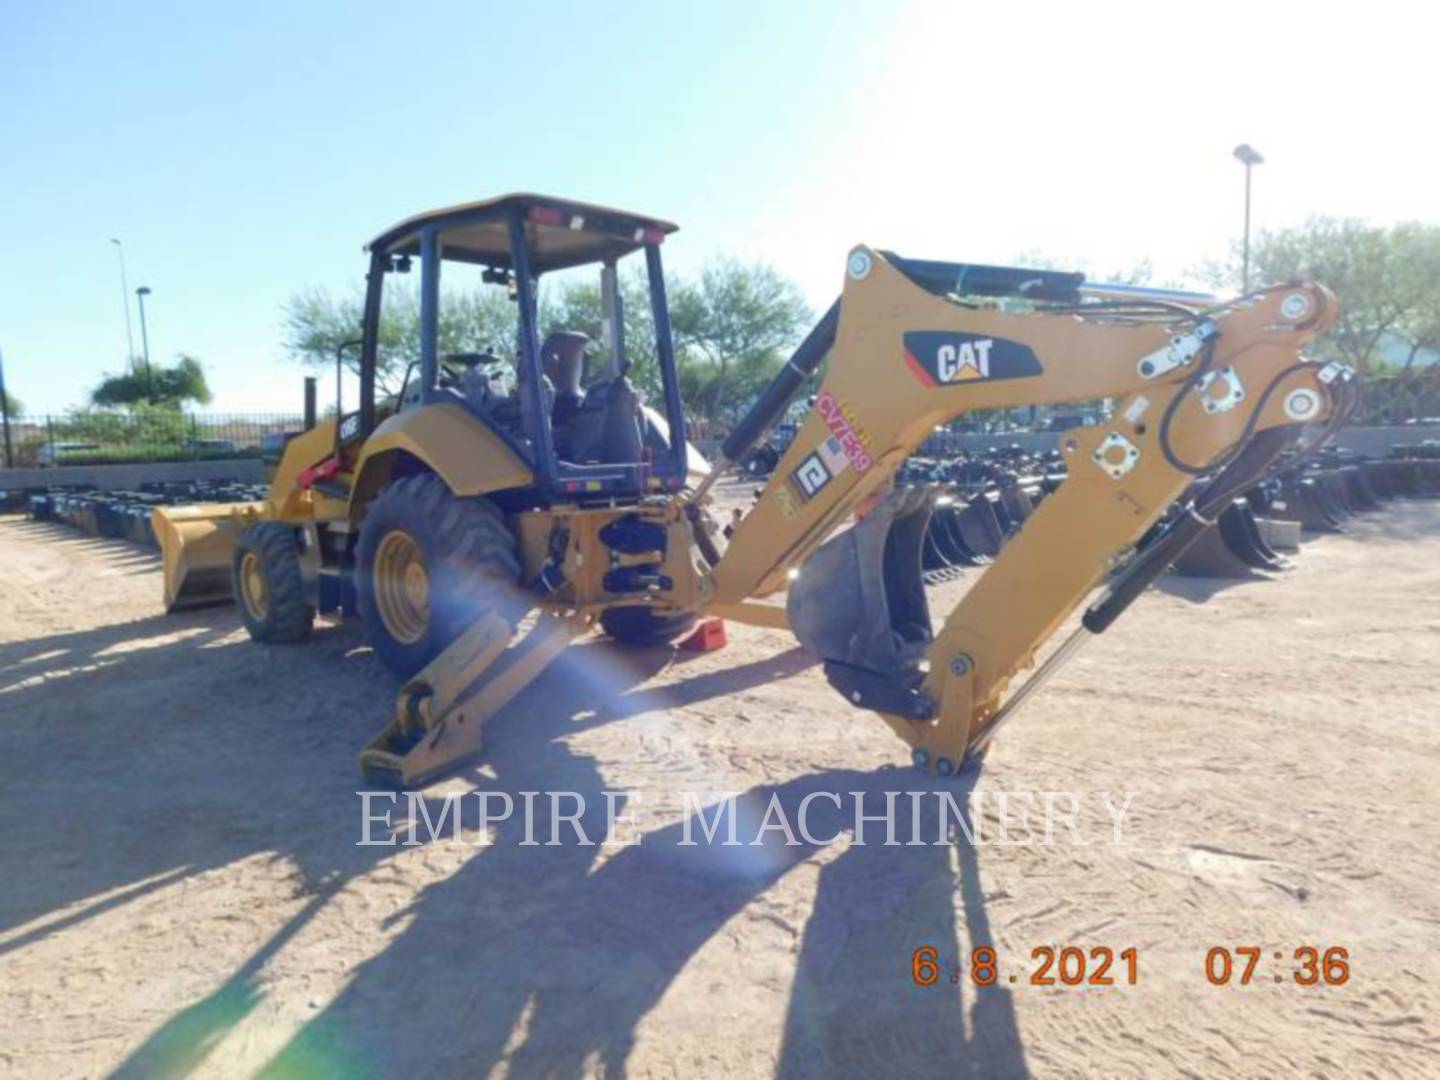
(555, 479)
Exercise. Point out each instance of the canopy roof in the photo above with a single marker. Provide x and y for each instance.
(559, 232)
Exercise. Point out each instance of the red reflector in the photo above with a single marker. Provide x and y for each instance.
(572, 485)
(546, 215)
(654, 236)
(708, 636)
(317, 473)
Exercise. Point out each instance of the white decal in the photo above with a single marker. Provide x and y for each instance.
(812, 475)
(953, 362)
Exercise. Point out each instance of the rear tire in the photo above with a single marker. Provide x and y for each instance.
(638, 625)
(268, 585)
(428, 565)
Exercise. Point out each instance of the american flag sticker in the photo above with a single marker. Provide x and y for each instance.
(833, 454)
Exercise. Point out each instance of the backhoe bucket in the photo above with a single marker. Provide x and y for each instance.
(1334, 495)
(1381, 478)
(1242, 536)
(1018, 502)
(1280, 535)
(936, 558)
(197, 543)
(859, 602)
(943, 553)
(1211, 557)
(1303, 502)
(980, 529)
(945, 521)
(1358, 493)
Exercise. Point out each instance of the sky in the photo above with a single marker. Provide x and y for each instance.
(246, 152)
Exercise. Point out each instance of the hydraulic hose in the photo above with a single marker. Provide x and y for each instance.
(772, 401)
(1244, 469)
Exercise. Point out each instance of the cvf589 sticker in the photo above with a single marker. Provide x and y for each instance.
(840, 419)
(945, 357)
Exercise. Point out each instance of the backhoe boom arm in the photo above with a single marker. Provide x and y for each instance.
(1193, 388)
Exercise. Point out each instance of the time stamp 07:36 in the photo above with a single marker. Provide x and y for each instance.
(1101, 965)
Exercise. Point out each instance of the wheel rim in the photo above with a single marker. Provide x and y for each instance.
(402, 587)
(254, 589)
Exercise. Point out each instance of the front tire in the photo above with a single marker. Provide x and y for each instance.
(268, 585)
(427, 566)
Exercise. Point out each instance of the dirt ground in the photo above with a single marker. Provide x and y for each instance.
(181, 890)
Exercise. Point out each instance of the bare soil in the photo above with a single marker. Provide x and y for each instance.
(181, 890)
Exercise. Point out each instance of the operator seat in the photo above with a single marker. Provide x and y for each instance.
(608, 425)
(562, 358)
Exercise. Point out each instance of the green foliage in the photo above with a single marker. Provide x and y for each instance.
(317, 322)
(140, 425)
(1387, 279)
(1140, 273)
(731, 329)
(13, 405)
(165, 387)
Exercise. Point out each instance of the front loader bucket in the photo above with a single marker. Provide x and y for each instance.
(197, 543)
(859, 603)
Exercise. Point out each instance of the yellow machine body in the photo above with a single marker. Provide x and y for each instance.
(903, 359)
(197, 544)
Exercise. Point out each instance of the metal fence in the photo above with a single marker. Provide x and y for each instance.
(105, 438)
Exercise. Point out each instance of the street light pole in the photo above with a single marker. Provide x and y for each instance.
(125, 302)
(142, 292)
(5, 415)
(1249, 157)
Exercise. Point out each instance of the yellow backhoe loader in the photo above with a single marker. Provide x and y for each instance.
(502, 504)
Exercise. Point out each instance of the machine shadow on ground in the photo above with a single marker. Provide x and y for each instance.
(570, 952)
(133, 557)
(569, 947)
(1197, 590)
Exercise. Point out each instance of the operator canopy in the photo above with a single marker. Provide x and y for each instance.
(560, 233)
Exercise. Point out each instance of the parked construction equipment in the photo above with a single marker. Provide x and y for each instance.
(531, 488)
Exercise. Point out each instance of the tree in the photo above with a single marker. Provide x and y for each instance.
(317, 322)
(1387, 280)
(165, 387)
(730, 329)
(1140, 273)
(13, 405)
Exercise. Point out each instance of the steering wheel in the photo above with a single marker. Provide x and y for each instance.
(455, 366)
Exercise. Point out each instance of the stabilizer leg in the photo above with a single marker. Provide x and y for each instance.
(440, 714)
